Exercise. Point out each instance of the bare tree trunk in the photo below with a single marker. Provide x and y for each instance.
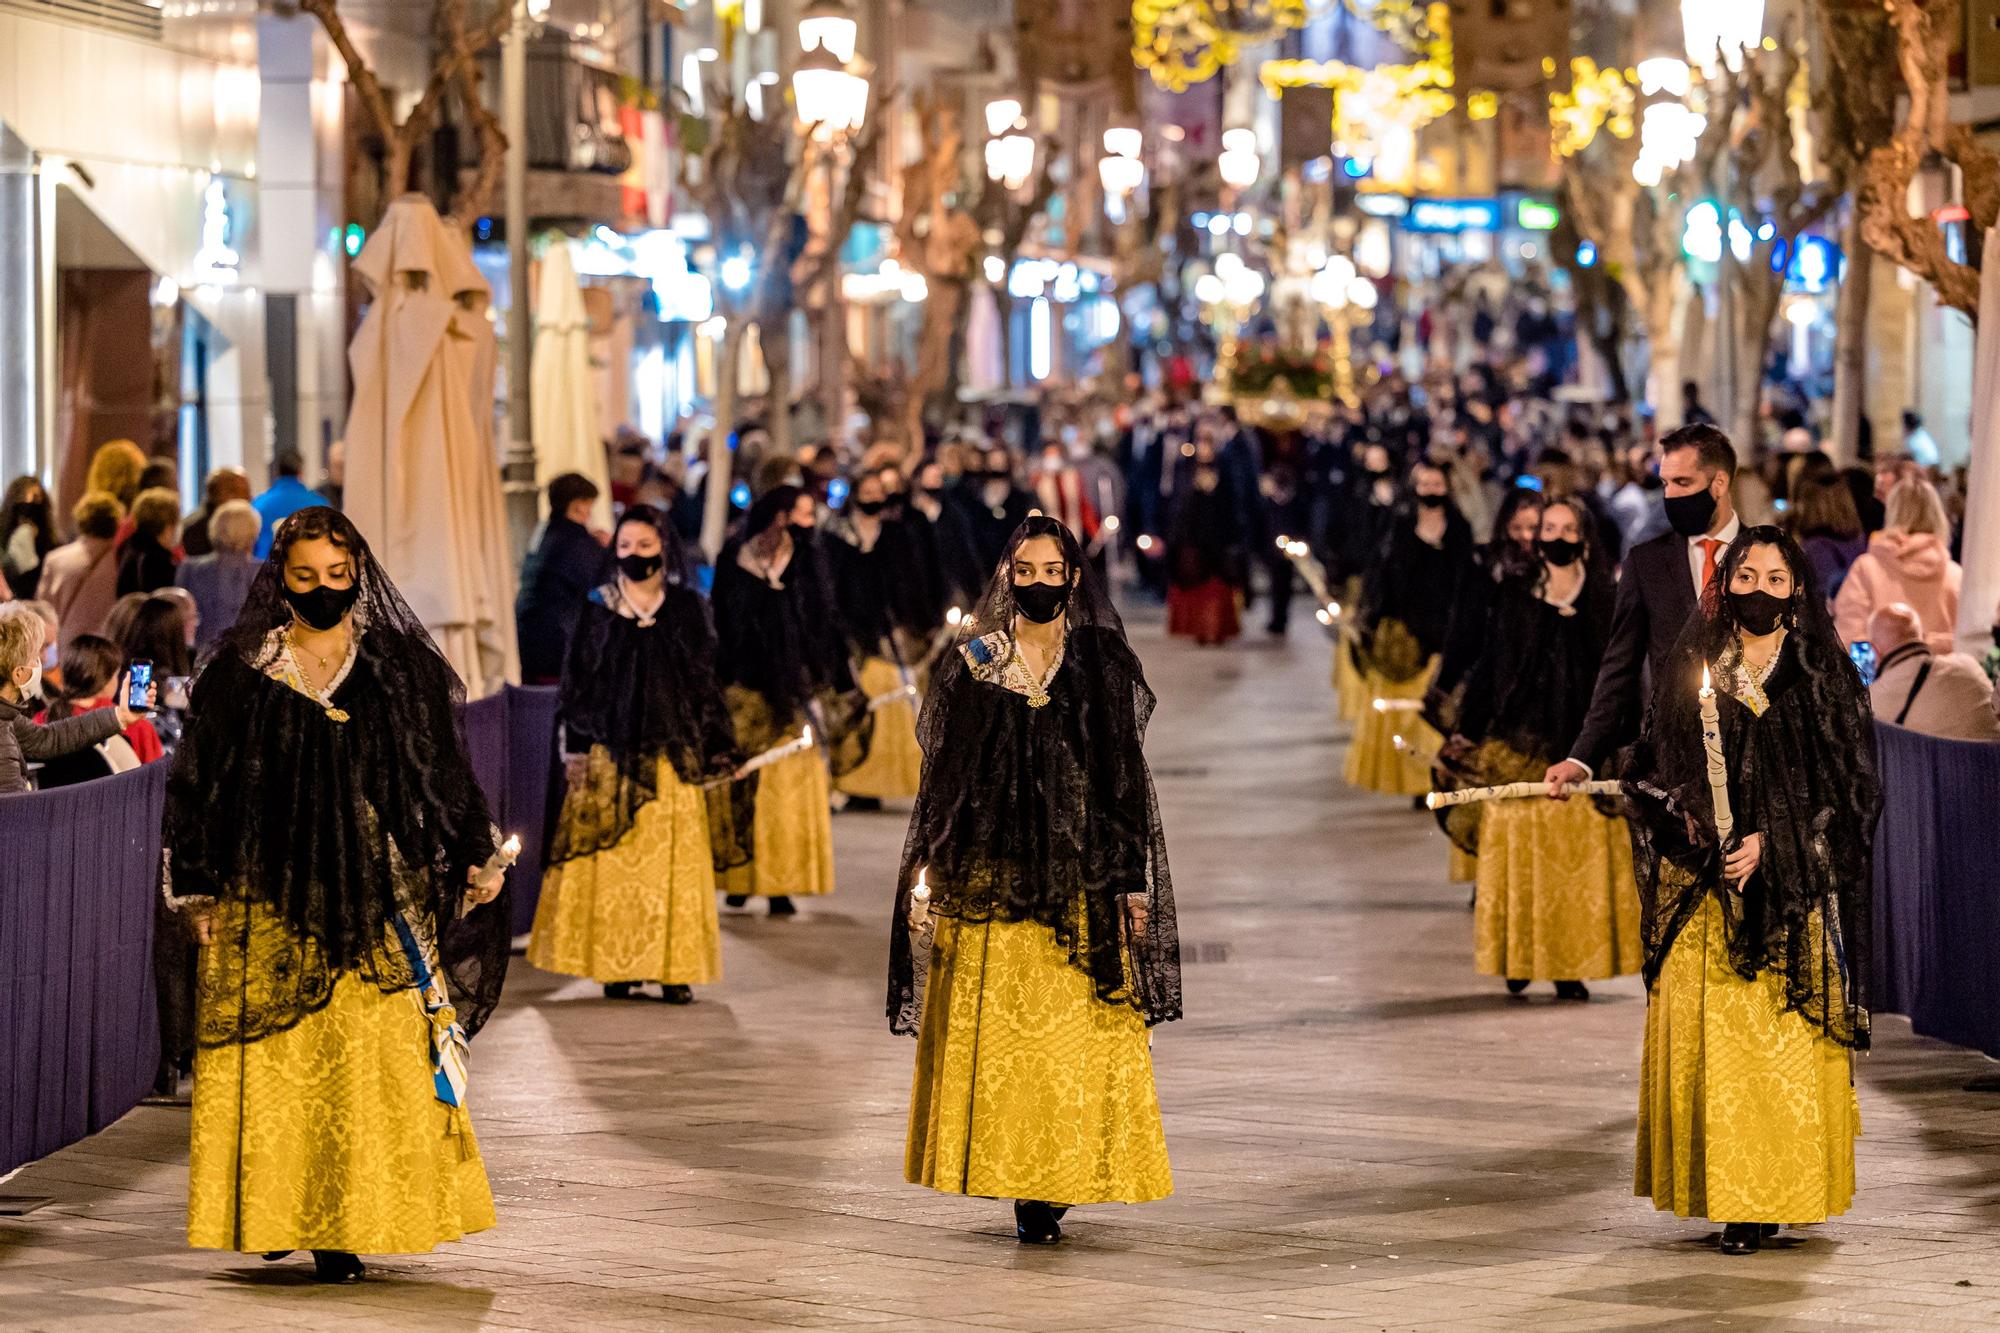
(721, 475)
(1756, 298)
(774, 343)
(1003, 313)
(1850, 346)
(1665, 318)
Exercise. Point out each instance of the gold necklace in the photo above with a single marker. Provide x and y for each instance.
(325, 660)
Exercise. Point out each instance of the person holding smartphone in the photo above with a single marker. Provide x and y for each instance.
(23, 740)
(329, 843)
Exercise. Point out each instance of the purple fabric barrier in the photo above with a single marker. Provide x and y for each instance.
(511, 737)
(1937, 911)
(79, 1035)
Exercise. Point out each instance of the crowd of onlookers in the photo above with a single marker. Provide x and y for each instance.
(136, 580)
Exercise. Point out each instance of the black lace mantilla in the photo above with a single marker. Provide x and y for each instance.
(1802, 775)
(1043, 811)
(320, 825)
(643, 691)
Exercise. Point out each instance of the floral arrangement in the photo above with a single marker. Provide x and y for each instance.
(1262, 369)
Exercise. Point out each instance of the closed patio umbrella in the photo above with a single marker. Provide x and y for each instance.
(564, 396)
(1979, 594)
(423, 481)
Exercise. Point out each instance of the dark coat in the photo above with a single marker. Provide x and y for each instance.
(22, 741)
(1655, 599)
(563, 565)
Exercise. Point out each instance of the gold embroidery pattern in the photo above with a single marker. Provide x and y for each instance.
(1746, 1113)
(1026, 1085)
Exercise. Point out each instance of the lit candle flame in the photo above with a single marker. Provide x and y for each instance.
(923, 889)
(512, 847)
(808, 736)
(1706, 688)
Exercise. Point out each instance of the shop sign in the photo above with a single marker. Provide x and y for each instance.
(1536, 215)
(1453, 215)
(1383, 205)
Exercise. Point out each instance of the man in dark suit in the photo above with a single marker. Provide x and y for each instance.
(565, 561)
(1656, 594)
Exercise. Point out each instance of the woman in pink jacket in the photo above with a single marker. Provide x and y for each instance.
(1909, 560)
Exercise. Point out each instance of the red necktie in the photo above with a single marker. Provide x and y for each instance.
(1708, 549)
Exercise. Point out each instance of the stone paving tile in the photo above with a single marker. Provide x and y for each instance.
(1365, 1134)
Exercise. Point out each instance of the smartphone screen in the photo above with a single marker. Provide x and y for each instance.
(1863, 653)
(141, 681)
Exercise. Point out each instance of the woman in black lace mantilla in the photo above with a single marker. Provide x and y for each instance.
(1034, 939)
(328, 840)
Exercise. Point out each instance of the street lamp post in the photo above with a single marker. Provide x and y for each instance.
(518, 470)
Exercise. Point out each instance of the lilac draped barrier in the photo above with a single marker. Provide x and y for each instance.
(511, 736)
(1937, 911)
(79, 1035)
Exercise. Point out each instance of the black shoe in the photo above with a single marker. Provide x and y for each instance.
(863, 805)
(1035, 1223)
(1572, 990)
(677, 994)
(1515, 985)
(1771, 1229)
(272, 1256)
(736, 900)
(337, 1267)
(1741, 1238)
(782, 906)
(619, 990)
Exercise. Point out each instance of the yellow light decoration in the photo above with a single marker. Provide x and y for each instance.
(1482, 106)
(1597, 99)
(1386, 106)
(1185, 42)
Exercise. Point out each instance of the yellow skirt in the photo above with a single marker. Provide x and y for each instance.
(894, 764)
(1746, 1113)
(1350, 692)
(330, 1136)
(1373, 762)
(1556, 898)
(792, 833)
(643, 910)
(1027, 1085)
(1461, 867)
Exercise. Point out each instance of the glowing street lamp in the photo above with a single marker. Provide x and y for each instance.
(1002, 115)
(1239, 163)
(830, 26)
(828, 94)
(1121, 176)
(1719, 31)
(1010, 159)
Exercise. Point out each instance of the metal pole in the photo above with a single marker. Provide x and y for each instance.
(519, 471)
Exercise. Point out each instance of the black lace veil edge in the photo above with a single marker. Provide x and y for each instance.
(1149, 978)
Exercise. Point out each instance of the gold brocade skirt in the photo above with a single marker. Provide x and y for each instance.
(1556, 898)
(1373, 762)
(644, 910)
(792, 833)
(330, 1136)
(1027, 1085)
(1746, 1113)
(894, 764)
(1350, 692)
(1461, 867)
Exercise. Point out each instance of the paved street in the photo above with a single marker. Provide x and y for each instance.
(1364, 1132)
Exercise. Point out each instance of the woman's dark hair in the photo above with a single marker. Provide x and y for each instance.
(567, 489)
(20, 506)
(1516, 499)
(158, 633)
(773, 505)
(320, 521)
(90, 666)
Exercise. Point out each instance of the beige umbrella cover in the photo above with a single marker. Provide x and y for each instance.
(1979, 594)
(564, 393)
(423, 483)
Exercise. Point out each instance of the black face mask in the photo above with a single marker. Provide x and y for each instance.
(1041, 602)
(870, 507)
(1758, 612)
(1690, 515)
(1561, 551)
(639, 568)
(323, 607)
(1430, 501)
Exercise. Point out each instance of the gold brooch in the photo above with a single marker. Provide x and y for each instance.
(336, 714)
(1039, 699)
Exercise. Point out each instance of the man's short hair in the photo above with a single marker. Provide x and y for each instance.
(98, 514)
(21, 631)
(1712, 448)
(288, 463)
(567, 489)
(156, 511)
(234, 526)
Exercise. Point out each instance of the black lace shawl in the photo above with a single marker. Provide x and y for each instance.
(334, 824)
(1412, 586)
(918, 589)
(1802, 775)
(642, 692)
(1043, 814)
(862, 585)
